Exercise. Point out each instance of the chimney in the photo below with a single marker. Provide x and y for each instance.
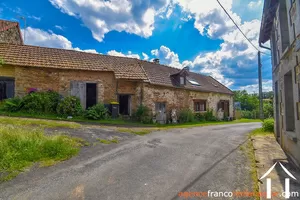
(156, 60)
(187, 68)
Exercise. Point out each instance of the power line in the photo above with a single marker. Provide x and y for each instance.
(240, 28)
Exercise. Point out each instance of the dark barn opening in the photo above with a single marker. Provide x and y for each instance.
(7, 88)
(124, 104)
(91, 95)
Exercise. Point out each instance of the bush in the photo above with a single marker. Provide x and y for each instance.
(97, 112)
(69, 106)
(41, 102)
(186, 115)
(268, 110)
(268, 125)
(143, 114)
(254, 114)
(200, 117)
(12, 105)
(209, 116)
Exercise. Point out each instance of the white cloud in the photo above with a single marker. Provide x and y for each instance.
(129, 55)
(146, 57)
(59, 27)
(34, 17)
(210, 19)
(266, 86)
(255, 4)
(167, 56)
(101, 17)
(38, 37)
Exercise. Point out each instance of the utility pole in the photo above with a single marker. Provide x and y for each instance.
(261, 107)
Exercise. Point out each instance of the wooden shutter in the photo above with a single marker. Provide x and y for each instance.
(78, 89)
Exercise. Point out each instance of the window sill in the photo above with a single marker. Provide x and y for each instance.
(292, 136)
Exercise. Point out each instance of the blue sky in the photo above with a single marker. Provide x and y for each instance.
(194, 33)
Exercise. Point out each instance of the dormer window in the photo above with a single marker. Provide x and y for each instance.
(182, 80)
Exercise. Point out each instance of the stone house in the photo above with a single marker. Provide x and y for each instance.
(97, 78)
(281, 26)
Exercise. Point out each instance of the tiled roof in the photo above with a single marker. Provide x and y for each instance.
(161, 75)
(124, 68)
(33, 56)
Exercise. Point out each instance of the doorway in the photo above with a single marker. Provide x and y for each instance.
(86, 92)
(91, 95)
(7, 88)
(160, 109)
(124, 104)
(224, 105)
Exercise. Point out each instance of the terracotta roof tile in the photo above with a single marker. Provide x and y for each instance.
(124, 68)
(33, 56)
(160, 75)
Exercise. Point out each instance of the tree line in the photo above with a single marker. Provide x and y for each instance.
(248, 104)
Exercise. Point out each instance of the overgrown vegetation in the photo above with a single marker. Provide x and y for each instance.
(248, 150)
(268, 125)
(20, 147)
(97, 112)
(143, 114)
(69, 106)
(186, 115)
(37, 122)
(114, 140)
(249, 104)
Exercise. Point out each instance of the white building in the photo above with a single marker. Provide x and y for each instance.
(281, 26)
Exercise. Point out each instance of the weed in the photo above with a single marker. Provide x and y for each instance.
(20, 147)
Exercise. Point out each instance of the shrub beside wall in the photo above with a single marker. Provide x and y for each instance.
(268, 125)
(97, 112)
(69, 106)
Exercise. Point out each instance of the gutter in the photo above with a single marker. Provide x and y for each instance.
(264, 47)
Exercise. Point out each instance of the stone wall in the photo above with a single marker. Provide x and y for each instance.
(44, 79)
(108, 88)
(11, 36)
(7, 71)
(180, 99)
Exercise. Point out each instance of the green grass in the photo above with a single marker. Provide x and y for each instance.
(37, 122)
(196, 124)
(121, 122)
(137, 131)
(248, 149)
(260, 132)
(20, 147)
(104, 141)
(253, 168)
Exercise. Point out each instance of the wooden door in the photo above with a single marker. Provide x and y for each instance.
(161, 116)
(78, 89)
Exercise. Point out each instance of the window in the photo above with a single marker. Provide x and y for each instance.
(194, 82)
(289, 102)
(199, 105)
(182, 80)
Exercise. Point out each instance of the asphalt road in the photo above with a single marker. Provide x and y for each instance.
(155, 166)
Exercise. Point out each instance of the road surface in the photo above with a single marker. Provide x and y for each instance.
(156, 166)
